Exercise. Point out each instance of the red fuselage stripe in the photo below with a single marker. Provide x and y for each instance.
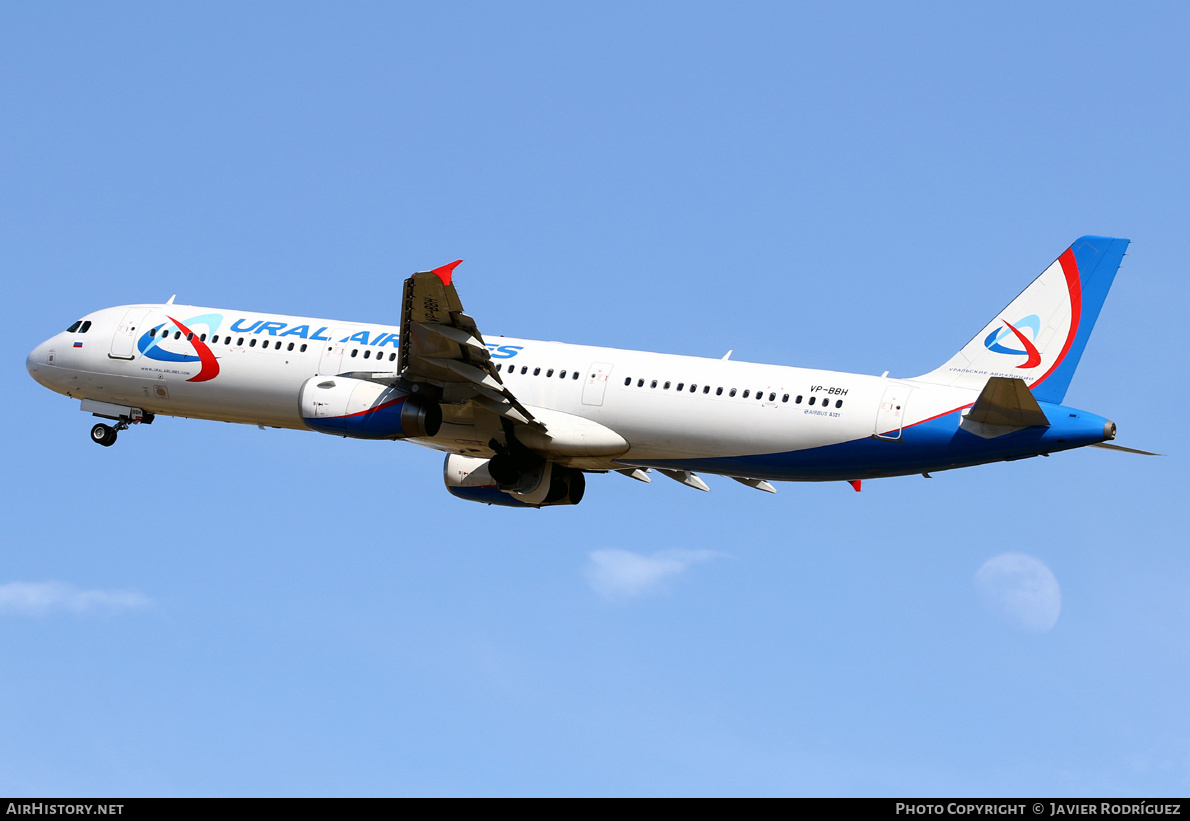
(370, 410)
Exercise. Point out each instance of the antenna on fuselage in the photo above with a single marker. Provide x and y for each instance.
(727, 355)
(170, 301)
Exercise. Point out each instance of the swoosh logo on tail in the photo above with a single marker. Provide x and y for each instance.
(1034, 355)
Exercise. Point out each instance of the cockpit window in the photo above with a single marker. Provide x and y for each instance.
(74, 327)
(86, 327)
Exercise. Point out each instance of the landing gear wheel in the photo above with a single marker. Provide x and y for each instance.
(103, 435)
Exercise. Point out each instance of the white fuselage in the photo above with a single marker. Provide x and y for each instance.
(670, 409)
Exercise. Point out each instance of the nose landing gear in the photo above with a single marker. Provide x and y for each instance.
(105, 435)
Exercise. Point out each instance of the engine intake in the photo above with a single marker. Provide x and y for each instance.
(470, 478)
(361, 409)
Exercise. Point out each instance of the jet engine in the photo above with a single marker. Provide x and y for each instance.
(361, 409)
(519, 485)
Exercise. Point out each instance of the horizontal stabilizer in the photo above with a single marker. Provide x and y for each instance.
(1006, 402)
(1123, 449)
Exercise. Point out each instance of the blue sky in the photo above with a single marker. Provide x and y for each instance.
(208, 609)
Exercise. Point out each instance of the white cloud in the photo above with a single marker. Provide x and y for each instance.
(621, 574)
(40, 598)
(1021, 590)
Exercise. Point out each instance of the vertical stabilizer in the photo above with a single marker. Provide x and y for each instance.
(1041, 335)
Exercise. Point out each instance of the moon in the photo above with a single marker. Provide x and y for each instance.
(1021, 590)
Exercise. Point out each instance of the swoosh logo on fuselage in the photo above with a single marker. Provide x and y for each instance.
(210, 365)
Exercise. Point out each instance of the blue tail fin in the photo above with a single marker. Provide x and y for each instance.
(1041, 335)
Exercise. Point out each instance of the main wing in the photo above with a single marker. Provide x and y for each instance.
(442, 348)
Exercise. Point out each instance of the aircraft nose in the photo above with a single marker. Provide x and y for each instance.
(37, 361)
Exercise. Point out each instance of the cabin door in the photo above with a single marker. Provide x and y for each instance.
(597, 376)
(124, 340)
(331, 361)
(890, 417)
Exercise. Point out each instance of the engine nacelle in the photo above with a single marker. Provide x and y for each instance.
(362, 409)
(468, 477)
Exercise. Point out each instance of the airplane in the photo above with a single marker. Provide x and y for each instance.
(523, 422)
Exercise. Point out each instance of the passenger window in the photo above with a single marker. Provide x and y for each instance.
(289, 347)
(562, 375)
(367, 354)
(718, 391)
(574, 375)
(537, 371)
(549, 373)
(732, 393)
(524, 369)
(277, 346)
(241, 342)
(797, 401)
(252, 344)
(681, 385)
(177, 334)
(303, 348)
(202, 337)
(87, 326)
(666, 386)
(706, 389)
(627, 381)
(499, 365)
(640, 383)
(354, 352)
(391, 356)
(74, 328)
(785, 398)
(654, 384)
(772, 396)
(838, 403)
(152, 331)
(746, 394)
(812, 398)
